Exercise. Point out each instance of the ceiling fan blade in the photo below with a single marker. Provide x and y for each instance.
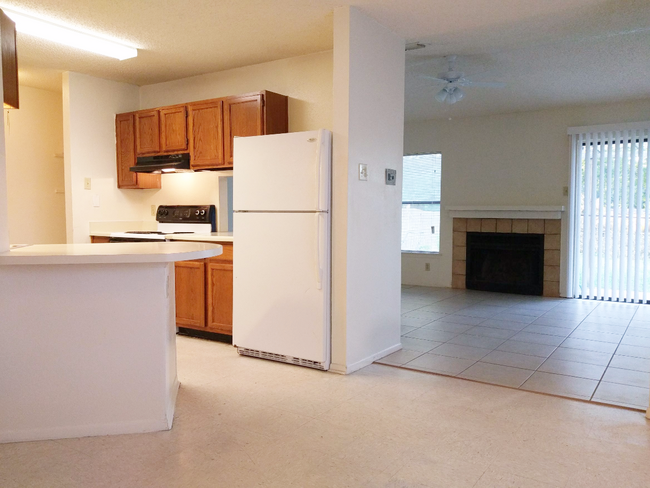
(482, 84)
(433, 78)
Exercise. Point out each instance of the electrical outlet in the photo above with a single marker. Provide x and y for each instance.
(86, 183)
(363, 172)
(153, 210)
(427, 266)
(565, 191)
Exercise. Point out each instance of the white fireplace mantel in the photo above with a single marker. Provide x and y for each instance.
(506, 212)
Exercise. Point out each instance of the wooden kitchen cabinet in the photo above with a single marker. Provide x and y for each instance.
(173, 129)
(253, 114)
(219, 270)
(190, 294)
(205, 126)
(99, 239)
(147, 132)
(204, 293)
(9, 61)
(126, 155)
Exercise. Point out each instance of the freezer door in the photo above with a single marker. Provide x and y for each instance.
(282, 172)
(281, 294)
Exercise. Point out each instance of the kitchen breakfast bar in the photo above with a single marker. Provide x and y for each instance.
(87, 338)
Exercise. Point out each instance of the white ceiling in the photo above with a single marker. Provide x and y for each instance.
(550, 52)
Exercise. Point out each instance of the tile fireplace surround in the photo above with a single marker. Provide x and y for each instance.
(550, 228)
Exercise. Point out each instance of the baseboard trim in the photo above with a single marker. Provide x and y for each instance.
(342, 369)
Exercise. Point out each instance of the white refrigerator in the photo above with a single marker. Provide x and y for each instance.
(281, 261)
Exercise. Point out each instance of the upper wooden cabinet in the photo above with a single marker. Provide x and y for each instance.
(205, 127)
(173, 129)
(125, 155)
(147, 132)
(254, 114)
(9, 61)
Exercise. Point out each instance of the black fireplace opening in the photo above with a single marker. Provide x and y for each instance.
(506, 263)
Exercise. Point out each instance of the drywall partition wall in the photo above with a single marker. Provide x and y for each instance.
(306, 80)
(90, 105)
(34, 148)
(89, 108)
(507, 159)
(368, 129)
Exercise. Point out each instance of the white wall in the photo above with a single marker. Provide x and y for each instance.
(89, 109)
(507, 159)
(90, 105)
(34, 147)
(306, 80)
(368, 128)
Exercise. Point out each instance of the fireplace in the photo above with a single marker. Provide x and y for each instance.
(549, 228)
(507, 263)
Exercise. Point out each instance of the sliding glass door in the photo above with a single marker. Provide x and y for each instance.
(609, 256)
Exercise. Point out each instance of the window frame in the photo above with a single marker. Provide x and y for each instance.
(427, 153)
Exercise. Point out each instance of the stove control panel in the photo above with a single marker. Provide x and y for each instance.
(187, 214)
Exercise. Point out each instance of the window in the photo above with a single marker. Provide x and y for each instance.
(421, 203)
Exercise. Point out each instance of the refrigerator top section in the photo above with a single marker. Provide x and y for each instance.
(283, 172)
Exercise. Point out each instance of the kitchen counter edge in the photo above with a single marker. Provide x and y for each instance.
(124, 253)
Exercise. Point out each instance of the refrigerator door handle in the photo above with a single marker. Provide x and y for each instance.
(319, 267)
(319, 142)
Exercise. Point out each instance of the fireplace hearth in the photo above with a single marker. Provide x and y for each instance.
(507, 263)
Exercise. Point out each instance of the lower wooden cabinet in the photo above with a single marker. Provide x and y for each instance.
(99, 239)
(190, 294)
(204, 293)
(219, 280)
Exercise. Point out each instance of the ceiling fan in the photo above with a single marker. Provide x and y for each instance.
(454, 80)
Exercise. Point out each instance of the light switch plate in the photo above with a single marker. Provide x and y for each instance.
(86, 183)
(95, 200)
(391, 176)
(363, 172)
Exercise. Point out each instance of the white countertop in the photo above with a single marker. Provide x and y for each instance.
(212, 237)
(114, 253)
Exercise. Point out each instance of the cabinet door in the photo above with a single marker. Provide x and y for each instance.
(173, 129)
(219, 291)
(243, 117)
(147, 126)
(205, 122)
(190, 294)
(125, 142)
(125, 156)
(9, 61)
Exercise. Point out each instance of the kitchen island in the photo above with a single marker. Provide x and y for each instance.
(88, 338)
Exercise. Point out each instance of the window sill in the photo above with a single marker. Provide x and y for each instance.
(434, 253)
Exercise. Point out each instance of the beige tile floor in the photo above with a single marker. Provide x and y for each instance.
(588, 350)
(244, 422)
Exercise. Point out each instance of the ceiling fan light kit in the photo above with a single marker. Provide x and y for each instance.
(453, 80)
(450, 95)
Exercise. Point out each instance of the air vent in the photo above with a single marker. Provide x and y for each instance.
(280, 358)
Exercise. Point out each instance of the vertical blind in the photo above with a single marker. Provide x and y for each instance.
(609, 214)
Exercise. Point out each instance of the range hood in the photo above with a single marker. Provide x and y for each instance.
(166, 163)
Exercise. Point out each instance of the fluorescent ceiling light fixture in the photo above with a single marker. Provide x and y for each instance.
(32, 26)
